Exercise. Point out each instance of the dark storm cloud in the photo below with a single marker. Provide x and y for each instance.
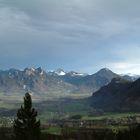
(82, 35)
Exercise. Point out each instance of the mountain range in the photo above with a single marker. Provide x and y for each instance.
(56, 83)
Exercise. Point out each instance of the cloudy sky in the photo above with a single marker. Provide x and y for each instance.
(80, 35)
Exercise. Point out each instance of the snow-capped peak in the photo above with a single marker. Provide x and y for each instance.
(60, 72)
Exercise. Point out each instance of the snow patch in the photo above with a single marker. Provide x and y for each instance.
(42, 72)
(32, 69)
(61, 73)
(79, 74)
(24, 86)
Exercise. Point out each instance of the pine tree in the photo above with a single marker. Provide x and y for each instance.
(26, 127)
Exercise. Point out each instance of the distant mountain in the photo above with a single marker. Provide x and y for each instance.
(88, 83)
(119, 95)
(56, 83)
(61, 72)
(101, 78)
(58, 72)
(134, 77)
(36, 81)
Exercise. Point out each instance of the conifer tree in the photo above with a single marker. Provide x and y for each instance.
(26, 127)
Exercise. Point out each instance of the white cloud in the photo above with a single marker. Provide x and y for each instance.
(124, 68)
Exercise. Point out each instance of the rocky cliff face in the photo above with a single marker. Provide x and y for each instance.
(55, 83)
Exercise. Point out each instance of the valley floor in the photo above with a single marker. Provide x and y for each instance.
(73, 119)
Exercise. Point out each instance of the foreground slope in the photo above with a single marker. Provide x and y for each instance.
(119, 95)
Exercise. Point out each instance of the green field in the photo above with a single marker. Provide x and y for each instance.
(62, 109)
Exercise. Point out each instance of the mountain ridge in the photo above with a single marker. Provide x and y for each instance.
(53, 83)
(118, 95)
